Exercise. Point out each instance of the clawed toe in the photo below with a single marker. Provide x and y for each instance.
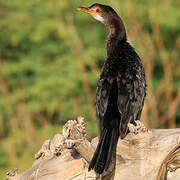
(139, 127)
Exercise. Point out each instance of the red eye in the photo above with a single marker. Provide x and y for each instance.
(97, 10)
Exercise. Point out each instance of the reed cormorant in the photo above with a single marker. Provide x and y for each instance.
(121, 87)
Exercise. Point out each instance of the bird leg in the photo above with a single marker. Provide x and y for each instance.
(138, 128)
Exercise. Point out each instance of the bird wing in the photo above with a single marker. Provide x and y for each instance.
(131, 93)
(102, 96)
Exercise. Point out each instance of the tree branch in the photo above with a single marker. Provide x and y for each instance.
(150, 155)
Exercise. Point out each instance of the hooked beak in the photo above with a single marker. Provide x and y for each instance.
(87, 10)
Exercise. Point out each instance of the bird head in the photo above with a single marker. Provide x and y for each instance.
(106, 15)
(100, 12)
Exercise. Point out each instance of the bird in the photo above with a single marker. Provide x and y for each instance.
(121, 88)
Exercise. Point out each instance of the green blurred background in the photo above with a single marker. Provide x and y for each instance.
(50, 60)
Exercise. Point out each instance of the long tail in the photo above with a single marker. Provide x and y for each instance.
(105, 148)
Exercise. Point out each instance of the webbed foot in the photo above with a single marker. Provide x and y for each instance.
(138, 128)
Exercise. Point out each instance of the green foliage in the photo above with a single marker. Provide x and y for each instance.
(50, 60)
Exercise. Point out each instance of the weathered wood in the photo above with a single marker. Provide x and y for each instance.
(147, 155)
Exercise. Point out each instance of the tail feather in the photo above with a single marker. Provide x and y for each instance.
(114, 138)
(103, 154)
(98, 149)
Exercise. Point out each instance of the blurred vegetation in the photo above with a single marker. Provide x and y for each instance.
(50, 60)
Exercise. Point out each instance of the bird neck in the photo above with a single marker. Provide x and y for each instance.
(117, 29)
(117, 33)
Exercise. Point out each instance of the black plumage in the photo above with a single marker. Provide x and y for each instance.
(121, 88)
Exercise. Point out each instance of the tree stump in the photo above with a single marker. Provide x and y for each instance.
(151, 155)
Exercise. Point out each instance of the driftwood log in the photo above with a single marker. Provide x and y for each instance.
(150, 155)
